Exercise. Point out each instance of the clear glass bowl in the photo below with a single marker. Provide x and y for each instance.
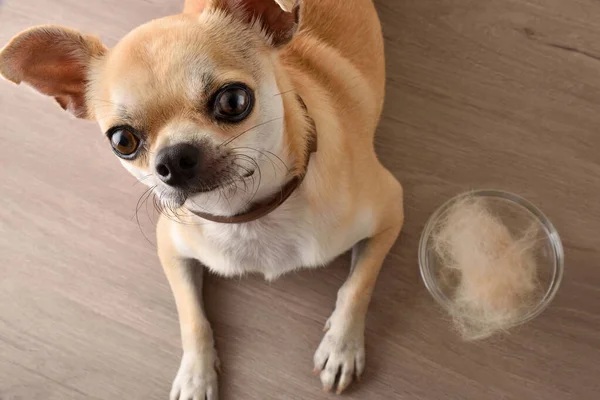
(517, 214)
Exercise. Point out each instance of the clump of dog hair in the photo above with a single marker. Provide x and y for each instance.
(491, 272)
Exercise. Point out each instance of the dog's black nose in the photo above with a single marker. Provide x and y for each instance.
(178, 165)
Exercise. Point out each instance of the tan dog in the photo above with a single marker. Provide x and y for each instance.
(253, 122)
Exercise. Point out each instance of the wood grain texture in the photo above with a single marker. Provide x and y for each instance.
(501, 94)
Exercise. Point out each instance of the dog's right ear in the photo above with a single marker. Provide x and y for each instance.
(53, 60)
(277, 18)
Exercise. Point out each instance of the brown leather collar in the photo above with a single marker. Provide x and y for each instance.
(259, 210)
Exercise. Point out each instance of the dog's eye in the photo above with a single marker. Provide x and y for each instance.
(124, 142)
(233, 103)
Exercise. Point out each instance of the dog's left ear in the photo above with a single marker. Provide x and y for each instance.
(278, 18)
(54, 61)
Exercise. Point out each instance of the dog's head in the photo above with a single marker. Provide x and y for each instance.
(193, 105)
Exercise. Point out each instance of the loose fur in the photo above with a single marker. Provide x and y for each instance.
(491, 272)
(321, 58)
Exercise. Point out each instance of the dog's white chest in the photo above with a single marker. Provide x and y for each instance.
(281, 242)
(267, 246)
(273, 245)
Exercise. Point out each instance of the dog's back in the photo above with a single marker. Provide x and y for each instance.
(340, 45)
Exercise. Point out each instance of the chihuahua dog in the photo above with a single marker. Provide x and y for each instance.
(252, 121)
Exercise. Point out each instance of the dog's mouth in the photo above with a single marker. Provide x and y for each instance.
(248, 174)
(176, 197)
(222, 183)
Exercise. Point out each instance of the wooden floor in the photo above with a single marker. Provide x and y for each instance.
(481, 94)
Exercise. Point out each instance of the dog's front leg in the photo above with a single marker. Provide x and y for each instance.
(197, 376)
(342, 350)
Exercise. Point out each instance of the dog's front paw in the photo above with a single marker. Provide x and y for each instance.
(197, 377)
(341, 353)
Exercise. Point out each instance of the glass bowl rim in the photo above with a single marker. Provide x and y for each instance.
(427, 274)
